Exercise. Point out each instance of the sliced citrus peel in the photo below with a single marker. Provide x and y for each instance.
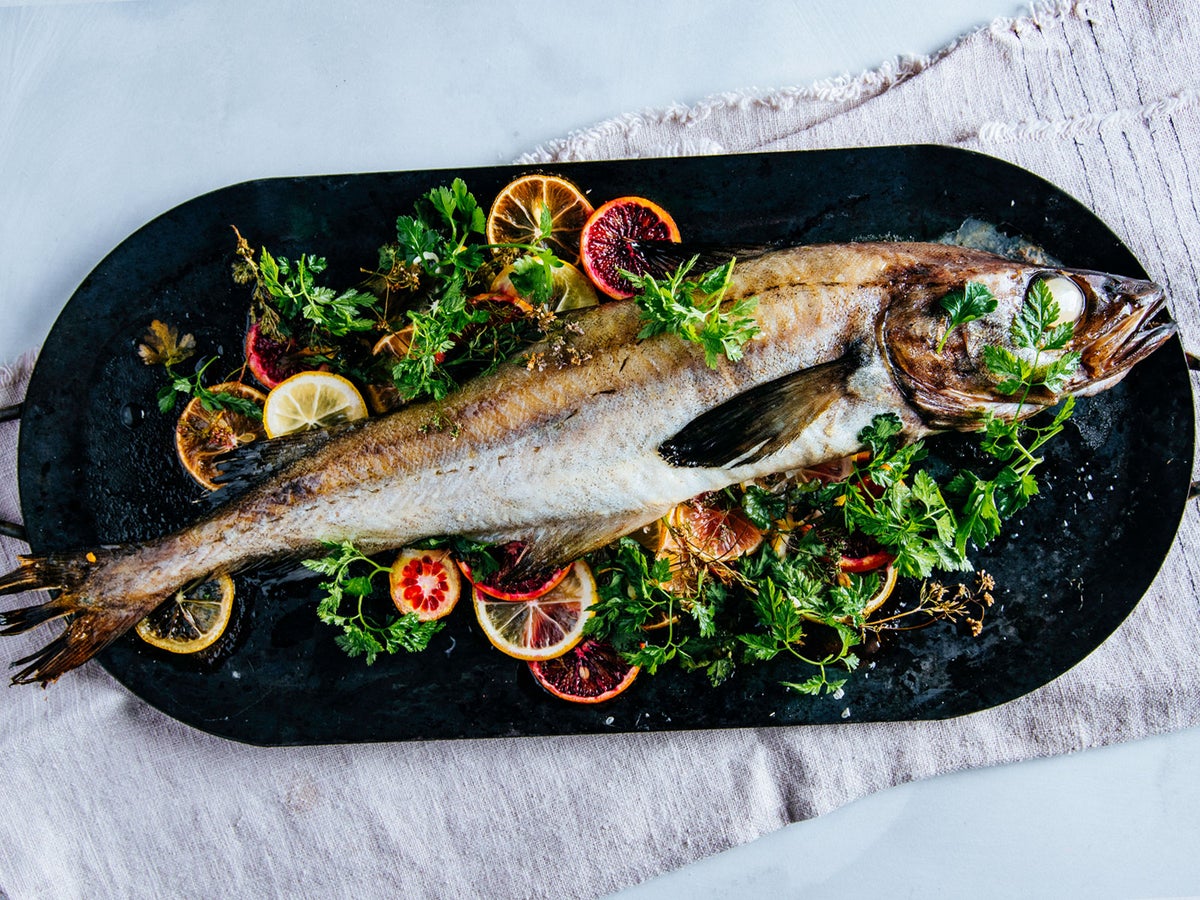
(539, 211)
(273, 361)
(572, 288)
(544, 627)
(311, 400)
(202, 435)
(712, 532)
(503, 584)
(425, 582)
(608, 242)
(193, 619)
(590, 672)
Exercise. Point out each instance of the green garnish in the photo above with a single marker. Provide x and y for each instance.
(292, 288)
(988, 501)
(972, 301)
(692, 310)
(163, 346)
(363, 635)
(193, 386)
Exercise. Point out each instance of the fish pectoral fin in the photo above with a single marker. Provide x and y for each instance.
(758, 422)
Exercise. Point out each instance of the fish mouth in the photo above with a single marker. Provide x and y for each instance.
(1142, 325)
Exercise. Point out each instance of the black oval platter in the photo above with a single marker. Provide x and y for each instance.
(97, 463)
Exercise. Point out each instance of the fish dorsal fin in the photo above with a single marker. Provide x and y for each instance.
(663, 257)
(250, 464)
(758, 422)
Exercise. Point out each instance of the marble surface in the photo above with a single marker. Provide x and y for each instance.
(111, 113)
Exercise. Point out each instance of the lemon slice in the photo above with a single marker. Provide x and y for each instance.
(191, 620)
(202, 435)
(544, 627)
(572, 289)
(311, 400)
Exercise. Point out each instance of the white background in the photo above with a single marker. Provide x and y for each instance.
(111, 113)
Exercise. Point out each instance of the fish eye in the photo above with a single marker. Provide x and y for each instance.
(1066, 293)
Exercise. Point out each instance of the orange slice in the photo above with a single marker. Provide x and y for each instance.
(608, 242)
(425, 582)
(544, 627)
(541, 211)
(712, 532)
(202, 435)
(589, 673)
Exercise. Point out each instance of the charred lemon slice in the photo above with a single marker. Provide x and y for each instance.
(193, 619)
(311, 400)
(539, 210)
(202, 435)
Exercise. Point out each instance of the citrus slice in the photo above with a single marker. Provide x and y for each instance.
(202, 435)
(311, 400)
(885, 590)
(541, 211)
(191, 620)
(591, 672)
(425, 582)
(503, 584)
(712, 532)
(542, 628)
(572, 289)
(608, 243)
(272, 361)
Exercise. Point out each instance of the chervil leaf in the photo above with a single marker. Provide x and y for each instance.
(1014, 371)
(1058, 374)
(162, 345)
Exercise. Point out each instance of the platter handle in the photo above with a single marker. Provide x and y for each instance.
(11, 529)
(1193, 364)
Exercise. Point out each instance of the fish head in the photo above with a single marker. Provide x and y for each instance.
(1117, 322)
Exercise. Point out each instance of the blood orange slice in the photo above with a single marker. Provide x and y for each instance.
(504, 585)
(202, 435)
(273, 361)
(592, 672)
(542, 628)
(608, 243)
(425, 582)
(711, 531)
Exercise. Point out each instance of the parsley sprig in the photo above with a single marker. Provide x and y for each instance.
(1015, 442)
(163, 345)
(193, 386)
(363, 635)
(692, 309)
(296, 296)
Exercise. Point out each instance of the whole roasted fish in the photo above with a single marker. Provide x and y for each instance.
(608, 433)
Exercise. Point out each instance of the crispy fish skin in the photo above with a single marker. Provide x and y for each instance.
(568, 456)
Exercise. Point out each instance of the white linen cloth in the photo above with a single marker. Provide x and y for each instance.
(100, 791)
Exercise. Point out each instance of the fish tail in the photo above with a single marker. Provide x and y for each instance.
(91, 627)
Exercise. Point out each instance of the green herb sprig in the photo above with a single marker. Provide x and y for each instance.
(1035, 329)
(193, 386)
(292, 288)
(363, 635)
(692, 310)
